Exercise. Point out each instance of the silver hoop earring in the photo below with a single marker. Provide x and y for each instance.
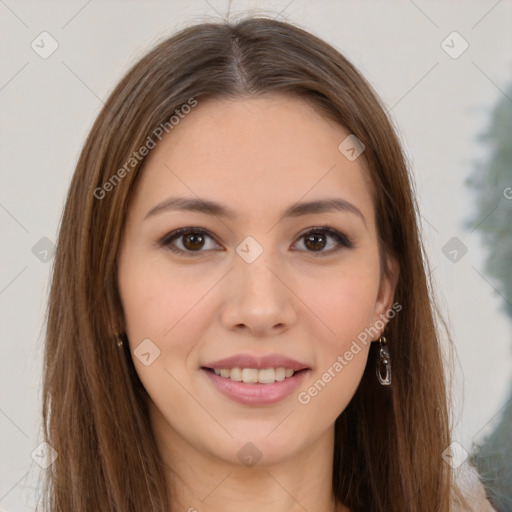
(384, 362)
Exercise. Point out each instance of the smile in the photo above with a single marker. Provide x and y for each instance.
(253, 375)
(256, 387)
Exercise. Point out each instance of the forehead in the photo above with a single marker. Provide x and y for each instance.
(254, 154)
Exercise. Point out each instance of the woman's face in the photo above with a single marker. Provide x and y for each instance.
(247, 282)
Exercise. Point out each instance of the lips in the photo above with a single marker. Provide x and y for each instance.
(256, 362)
(256, 394)
(226, 376)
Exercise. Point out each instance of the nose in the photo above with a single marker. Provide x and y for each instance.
(259, 297)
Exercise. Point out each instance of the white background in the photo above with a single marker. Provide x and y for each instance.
(439, 105)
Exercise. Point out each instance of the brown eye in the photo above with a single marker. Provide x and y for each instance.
(193, 241)
(187, 241)
(317, 239)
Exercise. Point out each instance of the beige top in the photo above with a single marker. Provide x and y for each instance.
(469, 482)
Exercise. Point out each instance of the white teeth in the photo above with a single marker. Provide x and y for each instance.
(253, 375)
(249, 375)
(281, 374)
(234, 374)
(266, 376)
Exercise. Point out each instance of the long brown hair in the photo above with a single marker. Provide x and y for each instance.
(388, 441)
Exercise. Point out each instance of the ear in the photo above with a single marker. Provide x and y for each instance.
(386, 293)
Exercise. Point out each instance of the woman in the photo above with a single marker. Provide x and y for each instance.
(239, 311)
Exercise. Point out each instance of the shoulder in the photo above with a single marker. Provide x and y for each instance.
(468, 480)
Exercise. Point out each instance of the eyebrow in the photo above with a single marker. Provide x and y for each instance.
(213, 208)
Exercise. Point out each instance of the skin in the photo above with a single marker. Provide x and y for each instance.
(256, 156)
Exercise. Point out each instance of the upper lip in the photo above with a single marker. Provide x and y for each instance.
(258, 362)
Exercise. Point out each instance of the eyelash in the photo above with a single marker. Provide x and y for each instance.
(344, 242)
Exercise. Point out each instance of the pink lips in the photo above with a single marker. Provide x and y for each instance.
(258, 362)
(256, 393)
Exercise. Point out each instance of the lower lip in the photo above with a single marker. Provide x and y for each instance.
(256, 394)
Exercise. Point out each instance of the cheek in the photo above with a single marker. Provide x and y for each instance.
(154, 299)
(344, 299)
(166, 307)
(345, 303)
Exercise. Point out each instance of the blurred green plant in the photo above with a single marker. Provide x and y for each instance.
(492, 185)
